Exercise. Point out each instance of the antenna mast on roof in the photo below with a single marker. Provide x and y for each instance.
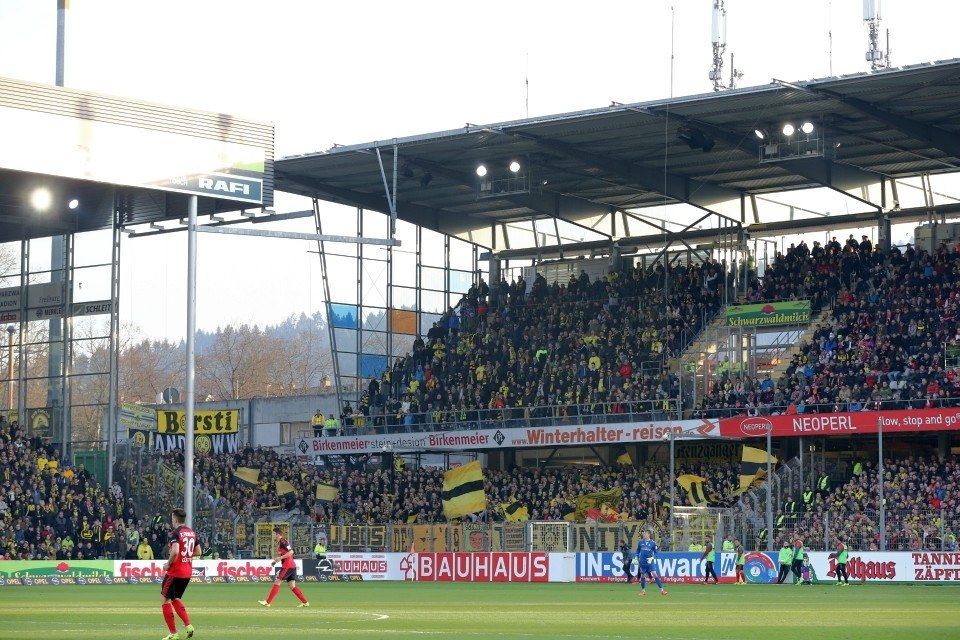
(719, 33)
(878, 59)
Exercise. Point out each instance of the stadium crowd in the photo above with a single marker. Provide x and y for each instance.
(921, 500)
(893, 322)
(560, 350)
(51, 509)
(569, 350)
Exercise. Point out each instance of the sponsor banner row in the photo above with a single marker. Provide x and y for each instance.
(846, 423)
(759, 568)
(565, 435)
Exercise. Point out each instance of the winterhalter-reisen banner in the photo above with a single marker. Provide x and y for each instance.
(823, 424)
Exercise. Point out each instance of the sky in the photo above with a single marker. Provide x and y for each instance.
(328, 72)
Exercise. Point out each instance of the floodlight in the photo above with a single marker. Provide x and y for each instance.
(807, 127)
(40, 199)
(73, 204)
(788, 129)
(481, 171)
(514, 166)
(760, 133)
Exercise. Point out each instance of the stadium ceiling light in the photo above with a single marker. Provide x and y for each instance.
(807, 127)
(40, 199)
(760, 133)
(73, 204)
(514, 166)
(481, 171)
(788, 129)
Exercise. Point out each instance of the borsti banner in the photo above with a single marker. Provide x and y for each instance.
(769, 313)
(214, 431)
(860, 422)
(672, 567)
(207, 422)
(563, 435)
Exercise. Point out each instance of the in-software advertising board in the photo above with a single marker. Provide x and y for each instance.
(672, 567)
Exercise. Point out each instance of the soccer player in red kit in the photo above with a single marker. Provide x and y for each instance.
(288, 570)
(183, 547)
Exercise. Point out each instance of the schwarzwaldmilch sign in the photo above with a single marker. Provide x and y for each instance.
(769, 313)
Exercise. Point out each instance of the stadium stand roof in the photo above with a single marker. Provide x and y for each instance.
(80, 145)
(874, 127)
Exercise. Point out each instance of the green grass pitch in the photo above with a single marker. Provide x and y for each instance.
(444, 611)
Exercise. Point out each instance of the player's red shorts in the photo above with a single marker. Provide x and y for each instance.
(173, 588)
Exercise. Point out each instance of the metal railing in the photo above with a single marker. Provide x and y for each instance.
(506, 418)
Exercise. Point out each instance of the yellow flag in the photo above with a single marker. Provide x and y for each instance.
(515, 512)
(284, 488)
(693, 485)
(596, 500)
(463, 491)
(326, 492)
(753, 469)
(247, 476)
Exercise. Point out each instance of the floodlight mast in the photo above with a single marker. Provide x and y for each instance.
(719, 39)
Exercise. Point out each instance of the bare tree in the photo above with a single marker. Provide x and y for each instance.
(237, 363)
(303, 360)
(148, 367)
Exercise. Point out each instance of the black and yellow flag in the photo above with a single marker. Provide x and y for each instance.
(247, 476)
(327, 492)
(596, 500)
(753, 469)
(693, 485)
(284, 488)
(463, 491)
(624, 458)
(515, 512)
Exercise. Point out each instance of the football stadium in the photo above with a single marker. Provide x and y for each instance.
(601, 374)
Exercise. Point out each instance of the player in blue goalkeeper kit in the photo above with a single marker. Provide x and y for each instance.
(646, 555)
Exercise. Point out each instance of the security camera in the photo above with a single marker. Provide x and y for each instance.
(666, 436)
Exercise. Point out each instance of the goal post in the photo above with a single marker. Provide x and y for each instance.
(549, 536)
